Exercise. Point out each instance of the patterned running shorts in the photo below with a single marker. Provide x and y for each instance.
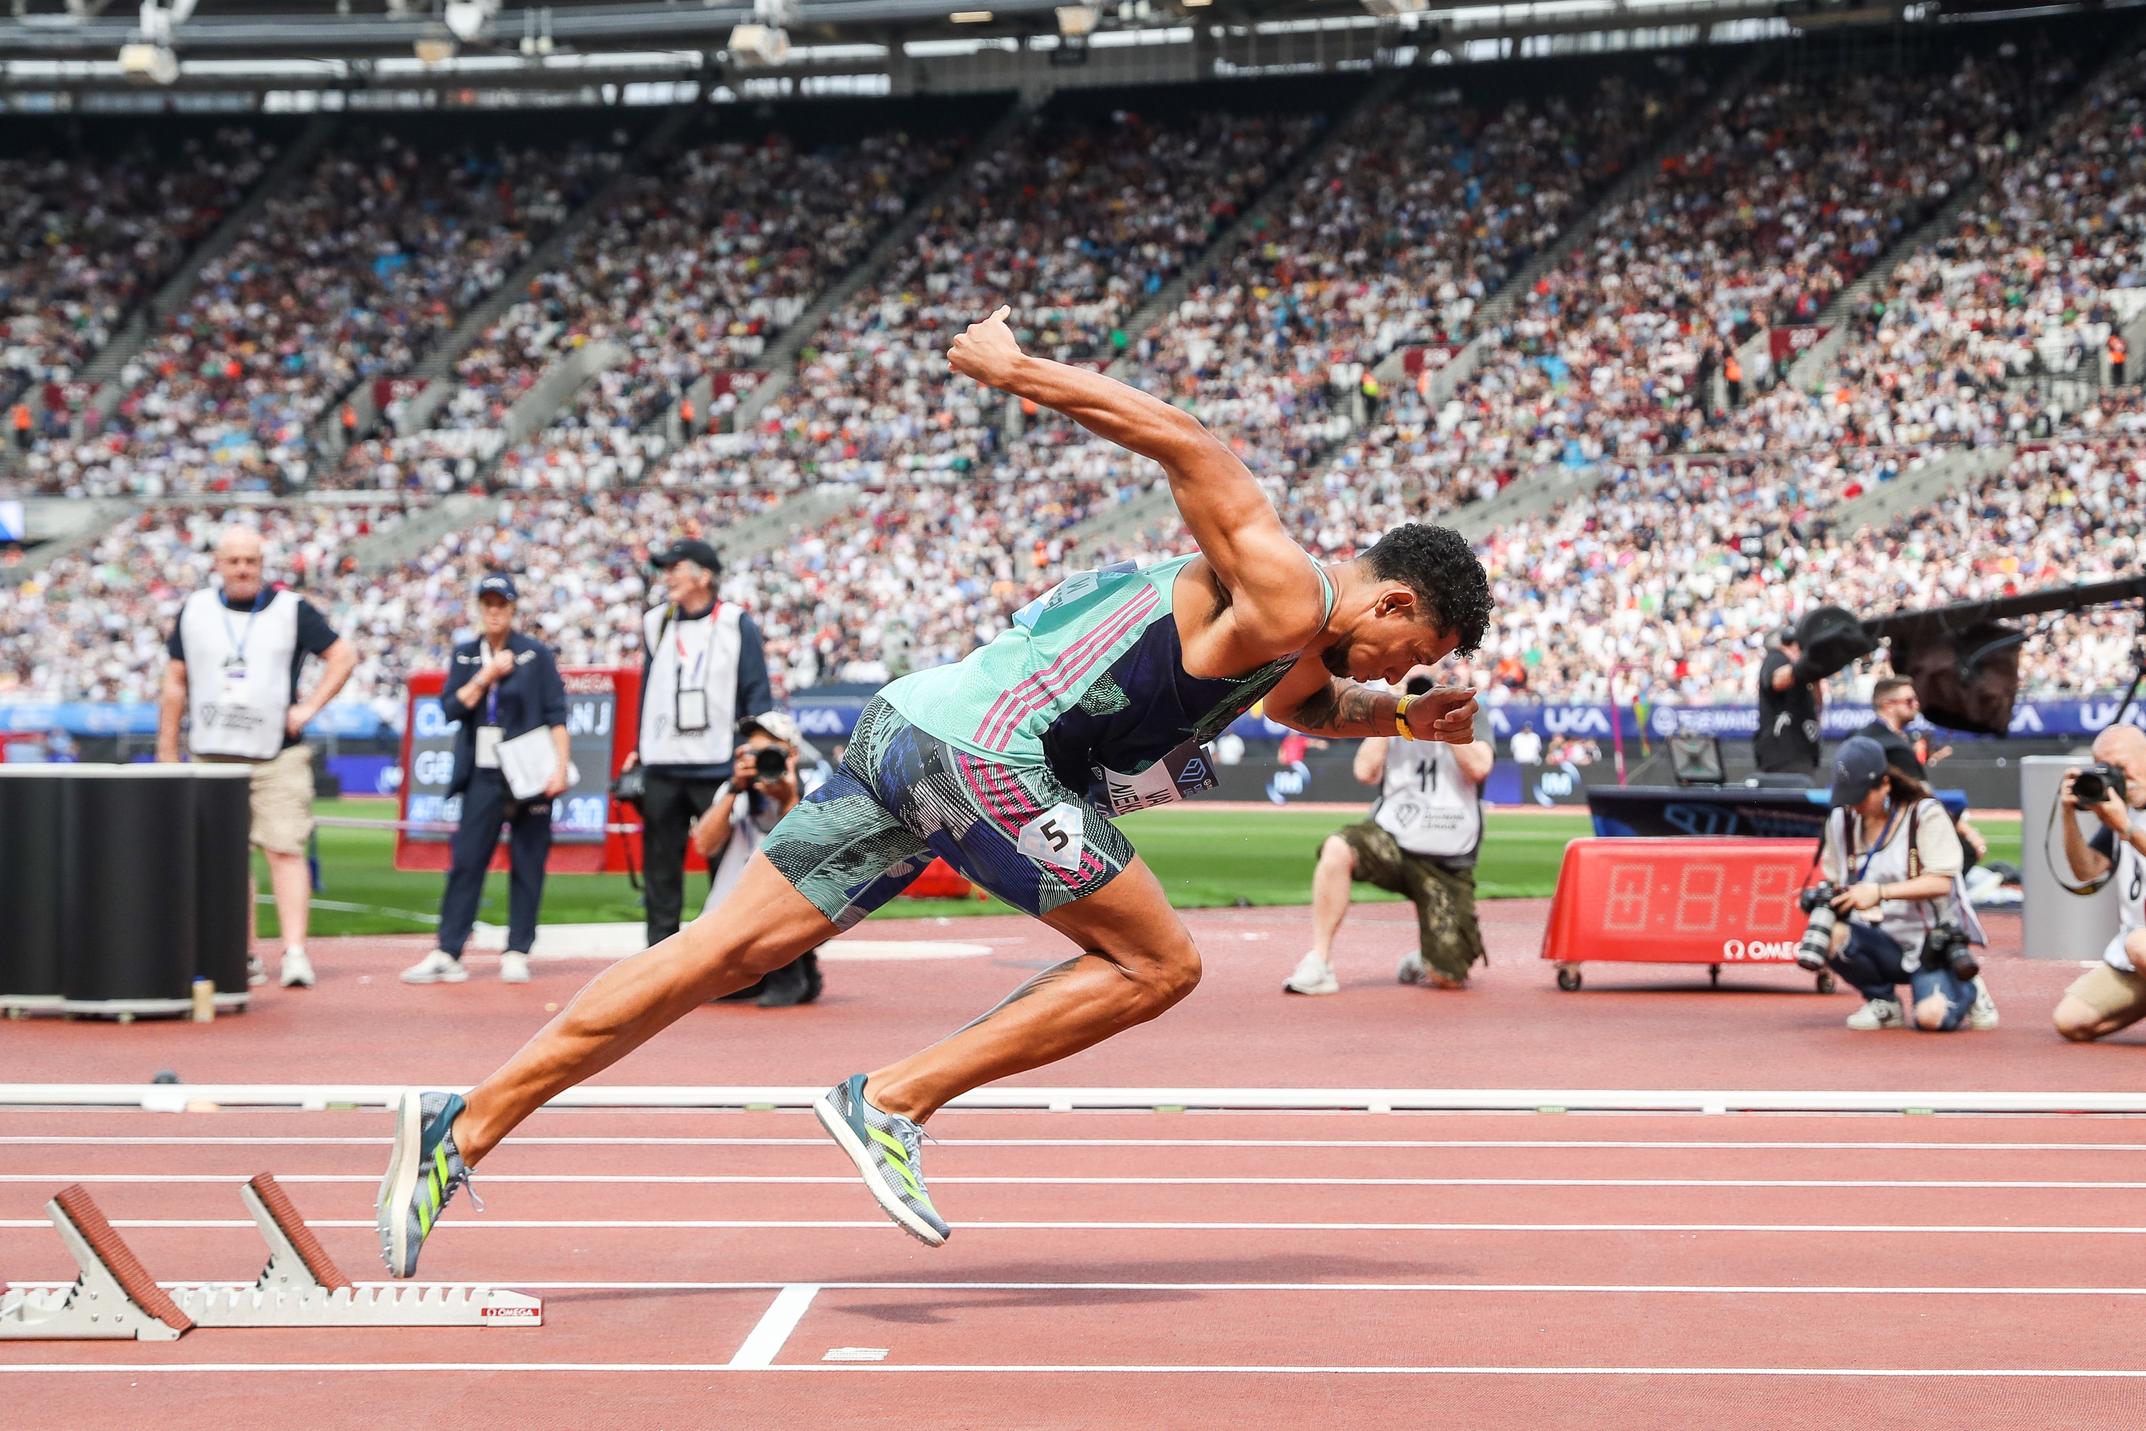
(902, 796)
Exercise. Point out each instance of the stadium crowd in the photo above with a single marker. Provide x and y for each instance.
(1699, 524)
(86, 238)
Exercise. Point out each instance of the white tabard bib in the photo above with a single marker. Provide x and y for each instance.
(2130, 885)
(688, 708)
(1427, 804)
(238, 674)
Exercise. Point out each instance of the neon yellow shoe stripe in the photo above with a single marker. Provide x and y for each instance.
(900, 1156)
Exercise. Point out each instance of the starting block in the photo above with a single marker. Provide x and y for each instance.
(115, 1297)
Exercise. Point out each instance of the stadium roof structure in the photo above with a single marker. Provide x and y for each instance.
(965, 44)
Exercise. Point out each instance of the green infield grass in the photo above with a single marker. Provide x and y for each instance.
(1204, 857)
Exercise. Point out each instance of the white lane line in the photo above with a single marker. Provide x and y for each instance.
(1056, 1180)
(643, 1368)
(1531, 1289)
(775, 1325)
(531, 1141)
(501, 1224)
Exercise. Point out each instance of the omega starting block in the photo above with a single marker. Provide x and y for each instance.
(114, 1297)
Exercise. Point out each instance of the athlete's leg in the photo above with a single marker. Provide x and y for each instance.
(1330, 882)
(763, 925)
(1137, 959)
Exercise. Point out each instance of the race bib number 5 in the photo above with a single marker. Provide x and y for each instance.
(1054, 836)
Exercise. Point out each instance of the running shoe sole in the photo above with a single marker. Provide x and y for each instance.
(399, 1186)
(838, 1129)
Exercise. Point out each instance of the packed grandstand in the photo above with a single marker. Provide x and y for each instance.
(1716, 301)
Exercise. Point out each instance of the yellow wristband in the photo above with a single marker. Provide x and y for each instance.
(1400, 718)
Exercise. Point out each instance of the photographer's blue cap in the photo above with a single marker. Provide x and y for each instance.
(1858, 769)
(497, 584)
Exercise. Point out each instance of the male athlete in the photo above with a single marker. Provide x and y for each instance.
(1008, 764)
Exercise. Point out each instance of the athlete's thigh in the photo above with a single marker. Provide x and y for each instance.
(1128, 921)
(843, 850)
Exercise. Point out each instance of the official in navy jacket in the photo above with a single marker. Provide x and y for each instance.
(500, 686)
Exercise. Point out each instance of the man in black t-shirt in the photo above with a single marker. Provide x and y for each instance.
(1894, 703)
(1789, 701)
(237, 650)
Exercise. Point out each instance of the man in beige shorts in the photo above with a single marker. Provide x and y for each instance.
(2111, 995)
(236, 653)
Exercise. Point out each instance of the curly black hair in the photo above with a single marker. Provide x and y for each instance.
(1440, 567)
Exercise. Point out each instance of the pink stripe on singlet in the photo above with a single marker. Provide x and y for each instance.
(1002, 720)
(1031, 695)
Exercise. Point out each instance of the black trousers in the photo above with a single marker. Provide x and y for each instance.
(667, 814)
(484, 805)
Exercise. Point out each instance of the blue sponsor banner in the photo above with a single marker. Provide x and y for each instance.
(830, 713)
(346, 720)
(366, 774)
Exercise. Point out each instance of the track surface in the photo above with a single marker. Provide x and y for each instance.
(1149, 1269)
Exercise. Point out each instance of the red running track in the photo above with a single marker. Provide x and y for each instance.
(1152, 1270)
(1635, 1026)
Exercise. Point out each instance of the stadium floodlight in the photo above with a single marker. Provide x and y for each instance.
(970, 17)
(150, 63)
(1078, 21)
(467, 19)
(759, 45)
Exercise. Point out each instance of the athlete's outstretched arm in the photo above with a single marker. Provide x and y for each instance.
(1271, 580)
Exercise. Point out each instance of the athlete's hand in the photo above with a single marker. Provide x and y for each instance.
(1445, 713)
(986, 351)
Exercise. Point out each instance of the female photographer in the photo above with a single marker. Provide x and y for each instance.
(1891, 851)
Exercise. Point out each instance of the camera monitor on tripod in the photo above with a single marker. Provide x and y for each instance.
(1695, 758)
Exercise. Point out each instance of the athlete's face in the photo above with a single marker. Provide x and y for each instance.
(1389, 641)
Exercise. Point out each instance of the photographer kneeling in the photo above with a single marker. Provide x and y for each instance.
(1893, 861)
(762, 788)
(2111, 995)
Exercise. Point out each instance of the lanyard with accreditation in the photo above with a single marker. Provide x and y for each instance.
(690, 698)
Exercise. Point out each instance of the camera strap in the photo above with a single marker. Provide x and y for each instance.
(2093, 886)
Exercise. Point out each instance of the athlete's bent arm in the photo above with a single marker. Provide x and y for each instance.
(1310, 700)
(1276, 604)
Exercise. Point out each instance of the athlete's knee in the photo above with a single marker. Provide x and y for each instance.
(1164, 975)
(2077, 1021)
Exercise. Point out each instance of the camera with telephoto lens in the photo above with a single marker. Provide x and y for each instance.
(2095, 783)
(770, 763)
(1946, 947)
(1816, 945)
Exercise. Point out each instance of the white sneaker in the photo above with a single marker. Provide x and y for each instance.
(1878, 1014)
(513, 968)
(1984, 1014)
(438, 967)
(1411, 969)
(297, 969)
(1313, 976)
(256, 971)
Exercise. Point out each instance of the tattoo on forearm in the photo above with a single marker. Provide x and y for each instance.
(1341, 708)
(1040, 981)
